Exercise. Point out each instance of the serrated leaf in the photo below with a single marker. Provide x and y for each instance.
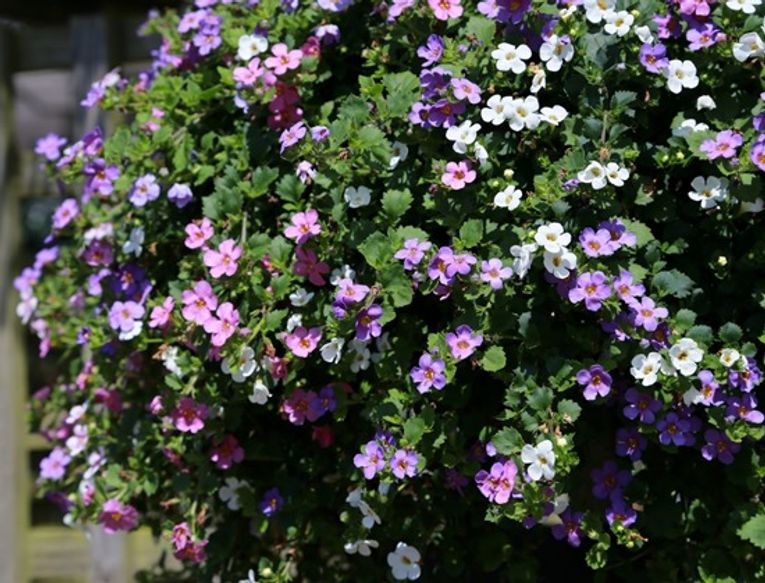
(377, 250)
(414, 429)
(569, 409)
(674, 283)
(753, 531)
(507, 441)
(730, 332)
(494, 359)
(471, 232)
(701, 334)
(290, 188)
(396, 202)
(261, 180)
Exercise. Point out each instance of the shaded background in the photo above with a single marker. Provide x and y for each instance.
(50, 53)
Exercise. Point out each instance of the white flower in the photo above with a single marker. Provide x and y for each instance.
(332, 350)
(755, 206)
(729, 357)
(594, 175)
(496, 110)
(134, 244)
(480, 153)
(509, 198)
(646, 368)
(539, 81)
(363, 547)
(595, 10)
(25, 309)
(555, 51)
(294, 321)
(554, 115)
(745, 6)
(133, 332)
(400, 153)
(354, 499)
(229, 494)
(357, 197)
(170, 360)
(709, 191)
(404, 562)
(511, 58)
(615, 174)
(692, 396)
(618, 23)
(344, 272)
(705, 102)
(361, 356)
(523, 256)
(523, 113)
(382, 344)
(560, 504)
(560, 264)
(245, 365)
(685, 355)
(370, 516)
(644, 34)
(78, 441)
(749, 45)
(301, 297)
(681, 74)
(463, 135)
(541, 460)
(76, 413)
(251, 45)
(250, 577)
(260, 393)
(687, 127)
(552, 237)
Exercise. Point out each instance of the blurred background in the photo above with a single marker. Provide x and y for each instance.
(50, 53)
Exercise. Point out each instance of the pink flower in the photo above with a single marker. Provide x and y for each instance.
(304, 226)
(309, 265)
(223, 261)
(188, 416)
(199, 302)
(248, 75)
(227, 453)
(160, 315)
(198, 234)
(116, 516)
(297, 406)
(283, 59)
(181, 535)
(224, 325)
(302, 341)
(445, 9)
(457, 175)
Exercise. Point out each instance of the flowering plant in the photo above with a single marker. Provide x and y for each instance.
(399, 289)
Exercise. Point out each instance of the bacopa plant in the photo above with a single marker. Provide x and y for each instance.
(365, 291)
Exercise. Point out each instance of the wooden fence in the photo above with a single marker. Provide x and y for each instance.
(45, 69)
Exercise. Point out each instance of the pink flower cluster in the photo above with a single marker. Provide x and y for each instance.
(199, 304)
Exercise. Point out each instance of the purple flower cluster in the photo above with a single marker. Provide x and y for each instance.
(382, 451)
(308, 405)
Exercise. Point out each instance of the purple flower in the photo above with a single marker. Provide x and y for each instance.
(494, 273)
(324, 402)
(180, 195)
(743, 407)
(404, 463)
(654, 58)
(371, 460)
(116, 516)
(53, 467)
(429, 373)
(412, 253)
(595, 380)
(630, 443)
(329, 34)
(319, 133)
(596, 243)
(592, 288)
(745, 380)
(349, 293)
(272, 502)
(462, 342)
(124, 315)
(207, 40)
(50, 146)
(757, 154)
(465, 90)
(291, 136)
(497, 485)
(570, 528)
(641, 405)
(620, 236)
(420, 115)
(724, 145)
(100, 177)
(609, 480)
(703, 36)
(145, 190)
(674, 431)
(432, 51)
(719, 446)
(368, 323)
(647, 314)
(444, 113)
(65, 213)
(459, 264)
(626, 288)
(620, 513)
(710, 393)
(439, 266)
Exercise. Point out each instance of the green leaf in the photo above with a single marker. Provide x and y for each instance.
(414, 429)
(261, 180)
(471, 232)
(482, 28)
(507, 441)
(290, 188)
(396, 202)
(227, 198)
(640, 230)
(674, 283)
(685, 318)
(541, 398)
(569, 409)
(402, 91)
(397, 285)
(753, 530)
(494, 359)
(377, 250)
(730, 333)
(702, 334)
